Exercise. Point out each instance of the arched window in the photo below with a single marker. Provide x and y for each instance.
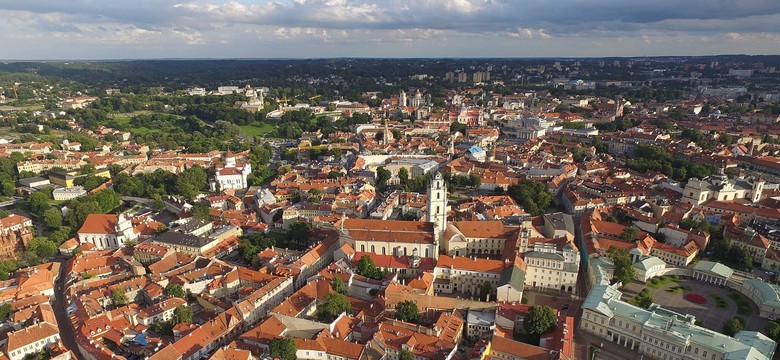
(372, 249)
(426, 252)
(363, 248)
(383, 251)
(438, 196)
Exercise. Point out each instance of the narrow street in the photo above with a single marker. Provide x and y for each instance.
(61, 313)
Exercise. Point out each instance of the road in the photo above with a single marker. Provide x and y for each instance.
(60, 312)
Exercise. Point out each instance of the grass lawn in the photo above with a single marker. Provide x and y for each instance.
(719, 302)
(743, 304)
(254, 130)
(660, 281)
(677, 289)
(53, 202)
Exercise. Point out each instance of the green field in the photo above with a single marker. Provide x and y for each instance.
(254, 130)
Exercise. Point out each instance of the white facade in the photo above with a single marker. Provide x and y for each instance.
(719, 187)
(437, 208)
(231, 176)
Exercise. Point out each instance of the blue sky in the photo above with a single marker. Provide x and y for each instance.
(106, 29)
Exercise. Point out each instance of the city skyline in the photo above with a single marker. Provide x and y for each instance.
(50, 30)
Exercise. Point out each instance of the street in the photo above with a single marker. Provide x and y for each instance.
(60, 312)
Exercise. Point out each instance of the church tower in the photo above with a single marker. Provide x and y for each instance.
(437, 208)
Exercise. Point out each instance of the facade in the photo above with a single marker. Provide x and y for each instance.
(107, 231)
(480, 324)
(712, 272)
(68, 193)
(469, 238)
(648, 267)
(231, 176)
(30, 340)
(765, 295)
(463, 275)
(658, 333)
(675, 256)
(720, 188)
(552, 265)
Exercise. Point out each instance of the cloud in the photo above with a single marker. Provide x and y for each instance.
(202, 26)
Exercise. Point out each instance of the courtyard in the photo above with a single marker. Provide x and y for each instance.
(722, 303)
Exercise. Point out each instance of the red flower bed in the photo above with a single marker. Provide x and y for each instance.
(696, 298)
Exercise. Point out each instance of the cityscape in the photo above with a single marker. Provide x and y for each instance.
(358, 180)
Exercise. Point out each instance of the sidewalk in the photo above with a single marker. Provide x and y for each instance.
(607, 349)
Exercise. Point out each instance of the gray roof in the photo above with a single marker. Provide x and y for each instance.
(513, 276)
(769, 292)
(176, 238)
(648, 262)
(714, 268)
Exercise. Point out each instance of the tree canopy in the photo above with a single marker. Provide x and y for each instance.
(367, 268)
(407, 311)
(539, 320)
(283, 348)
(331, 306)
(532, 195)
(624, 267)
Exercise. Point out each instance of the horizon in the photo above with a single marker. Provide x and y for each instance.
(324, 29)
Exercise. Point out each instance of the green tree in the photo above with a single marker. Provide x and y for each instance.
(331, 306)
(43, 247)
(175, 290)
(771, 330)
(485, 290)
(539, 320)
(733, 326)
(298, 233)
(407, 311)
(644, 299)
(119, 296)
(5, 311)
(52, 218)
(283, 349)
(624, 267)
(629, 234)
(182, 314)
(191, 182)
(533, 196)
(403, 175)
(107, 200)
(382, 175)
(338, 285)
(406, 355)
(38, 202)
(366, 267)
(201, 212)
(60, 235)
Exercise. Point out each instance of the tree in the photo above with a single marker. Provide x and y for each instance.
(108, 200)
(733, 326)
(407, 311)
(539, 320)
(382, 175)
(338, 285)
(191, 182)
(403, 175)
(5, 310)
(38, 202)
(484, 290)
(772, 330)
(119, 297)
(298, 233)
(533, 196)
(175, 290)
(52, 218)
(366, 267)
(182, 314)
(201, 212)
(43, 247)
(630, 234)
(331, 306)
(644, 299)
(624, 267)
(406, 355)
(283, 349)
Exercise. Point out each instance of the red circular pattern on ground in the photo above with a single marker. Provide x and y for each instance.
(696, 298)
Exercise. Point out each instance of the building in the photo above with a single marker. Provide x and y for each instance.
(480, 324)
(552, 264)
(464, 275)
(469, 238)
(720, 188)
(232, 175)
(712, 272)
(30, 340)
(107, 231)
(660, 333)
(647, 267)
(70, 193)
(16, 231)
(673, 255)
(401, 238)
(765, 295)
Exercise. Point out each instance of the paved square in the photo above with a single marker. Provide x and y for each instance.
(711, 316)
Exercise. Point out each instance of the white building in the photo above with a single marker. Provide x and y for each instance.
(232, 175)
(107, 231)
(31, 340)
(463, 275)
(552, 264)
(721, 188)
(659, 333)
(68, 193)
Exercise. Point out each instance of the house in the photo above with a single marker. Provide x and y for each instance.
(30, 340)
(231, 175)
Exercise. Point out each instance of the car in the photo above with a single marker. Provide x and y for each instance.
(565, 306)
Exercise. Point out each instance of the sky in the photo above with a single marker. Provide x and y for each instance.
(142, 29)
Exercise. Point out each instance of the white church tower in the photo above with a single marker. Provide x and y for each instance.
(437, 207)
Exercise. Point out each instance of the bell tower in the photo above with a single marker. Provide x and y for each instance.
(437, 207)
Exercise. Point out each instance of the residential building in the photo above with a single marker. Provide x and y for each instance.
(464, 275)
(30, 340)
